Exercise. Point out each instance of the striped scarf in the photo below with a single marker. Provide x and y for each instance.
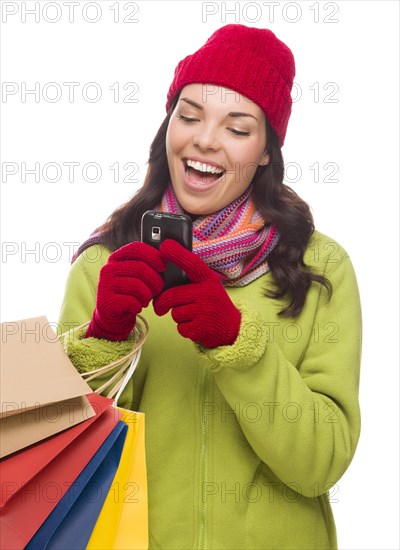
(234, 242)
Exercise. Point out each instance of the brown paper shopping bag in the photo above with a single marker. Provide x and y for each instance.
(41, 393)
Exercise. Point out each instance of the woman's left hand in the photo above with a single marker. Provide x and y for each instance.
(202, 309)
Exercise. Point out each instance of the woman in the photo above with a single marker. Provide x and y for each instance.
(249, 377)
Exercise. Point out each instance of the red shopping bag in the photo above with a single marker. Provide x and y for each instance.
(19, 468)
(26, 507)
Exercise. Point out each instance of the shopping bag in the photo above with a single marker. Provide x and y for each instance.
(39, 385)
(70, 524)
(123, 520)
(20, 467)
(23, 514)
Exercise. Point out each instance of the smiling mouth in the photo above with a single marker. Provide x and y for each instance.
(202, 174)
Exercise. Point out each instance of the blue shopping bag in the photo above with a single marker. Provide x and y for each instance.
(71, 523)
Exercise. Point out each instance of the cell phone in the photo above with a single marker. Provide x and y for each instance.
(156, 227)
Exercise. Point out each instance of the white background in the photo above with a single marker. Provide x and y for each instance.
(353, 123)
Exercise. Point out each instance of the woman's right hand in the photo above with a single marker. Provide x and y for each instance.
(128, 282)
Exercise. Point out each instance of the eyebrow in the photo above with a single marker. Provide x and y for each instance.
(233, 114)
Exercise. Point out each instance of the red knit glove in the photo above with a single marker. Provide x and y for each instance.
(128, 282)
(203, 310)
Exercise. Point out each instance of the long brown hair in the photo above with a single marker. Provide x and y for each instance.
(279, 204)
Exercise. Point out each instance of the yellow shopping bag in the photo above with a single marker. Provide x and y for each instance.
(123, 520)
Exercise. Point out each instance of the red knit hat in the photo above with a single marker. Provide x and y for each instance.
(251, 61)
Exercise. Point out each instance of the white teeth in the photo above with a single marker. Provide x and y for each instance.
(202, 167)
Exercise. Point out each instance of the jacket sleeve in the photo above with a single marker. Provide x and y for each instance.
(79, 297)
(311, 428)
(77, 308)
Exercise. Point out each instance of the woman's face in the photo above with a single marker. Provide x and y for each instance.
(215, 142)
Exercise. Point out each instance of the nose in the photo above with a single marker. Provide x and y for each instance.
(205, 137)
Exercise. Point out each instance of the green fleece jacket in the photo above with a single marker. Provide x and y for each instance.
(243, 442)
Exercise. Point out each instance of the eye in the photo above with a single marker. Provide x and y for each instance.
(238, 133)
(185, 118)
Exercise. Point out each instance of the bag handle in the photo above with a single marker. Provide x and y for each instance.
(127, 364)
(128, 375)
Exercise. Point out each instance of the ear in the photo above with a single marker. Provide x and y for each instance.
(264, 159)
